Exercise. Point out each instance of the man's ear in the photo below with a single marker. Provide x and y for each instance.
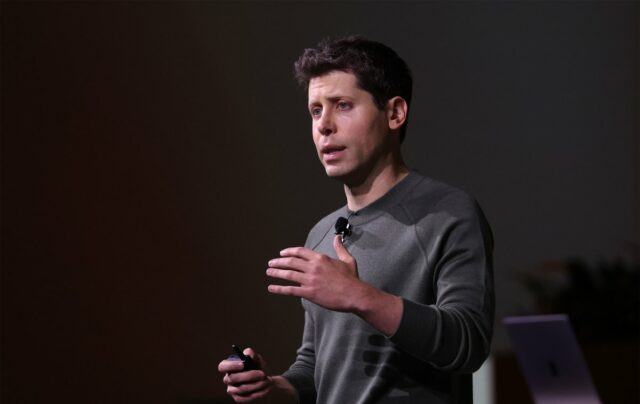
(397, 110)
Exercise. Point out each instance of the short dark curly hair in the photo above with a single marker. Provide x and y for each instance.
(378, 68)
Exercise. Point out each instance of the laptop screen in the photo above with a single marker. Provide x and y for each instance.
(550, 359)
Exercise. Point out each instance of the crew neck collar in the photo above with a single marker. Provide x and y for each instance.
(389, 199)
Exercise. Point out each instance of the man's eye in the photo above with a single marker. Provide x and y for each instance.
(343, 105)
(316, 111)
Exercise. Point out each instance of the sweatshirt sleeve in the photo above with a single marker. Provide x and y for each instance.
(301, 372)
(454, 333)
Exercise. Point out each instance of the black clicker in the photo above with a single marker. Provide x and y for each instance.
(247, 361)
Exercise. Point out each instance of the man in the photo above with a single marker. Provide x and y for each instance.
(402, 310)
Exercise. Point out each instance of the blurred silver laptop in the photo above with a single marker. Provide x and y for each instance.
(551, 360)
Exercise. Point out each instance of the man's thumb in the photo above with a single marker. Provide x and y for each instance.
(341, 251)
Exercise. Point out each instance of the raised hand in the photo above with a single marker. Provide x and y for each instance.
(334, 285)
(330, 283)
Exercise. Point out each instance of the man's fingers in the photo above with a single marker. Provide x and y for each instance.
(289, 262)
(285, 290)
(285, 274)
(248, 377)
(257, 358)
(300, 252)
(342, 253)
(227, 366)
(247, 392)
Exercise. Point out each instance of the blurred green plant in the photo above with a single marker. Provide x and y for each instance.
(602, 300)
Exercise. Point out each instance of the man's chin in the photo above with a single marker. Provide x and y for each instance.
(335, 172)
(347, 177)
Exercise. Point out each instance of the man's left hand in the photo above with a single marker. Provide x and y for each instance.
(330, 283)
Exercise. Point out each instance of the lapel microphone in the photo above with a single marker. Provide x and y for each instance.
(343, 228)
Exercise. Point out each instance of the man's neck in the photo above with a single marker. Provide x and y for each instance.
(378, 183)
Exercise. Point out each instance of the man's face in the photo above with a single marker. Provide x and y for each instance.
(350, 133)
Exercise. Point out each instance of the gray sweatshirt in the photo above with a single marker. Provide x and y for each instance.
(428, 243)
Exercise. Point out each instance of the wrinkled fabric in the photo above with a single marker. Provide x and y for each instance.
(430, 244)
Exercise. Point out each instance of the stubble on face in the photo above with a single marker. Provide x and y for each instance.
(350, 132)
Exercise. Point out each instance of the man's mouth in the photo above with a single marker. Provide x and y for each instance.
(331, 149)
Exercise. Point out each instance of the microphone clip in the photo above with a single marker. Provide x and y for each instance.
(343, 228)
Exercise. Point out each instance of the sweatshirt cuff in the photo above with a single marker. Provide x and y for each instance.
(305, 390)
(418, 329)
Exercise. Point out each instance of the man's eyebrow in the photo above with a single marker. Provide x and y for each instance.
(333, 98)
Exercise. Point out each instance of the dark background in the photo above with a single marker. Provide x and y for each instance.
(155, 155)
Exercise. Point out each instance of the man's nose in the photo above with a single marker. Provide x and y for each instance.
(326, 125)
